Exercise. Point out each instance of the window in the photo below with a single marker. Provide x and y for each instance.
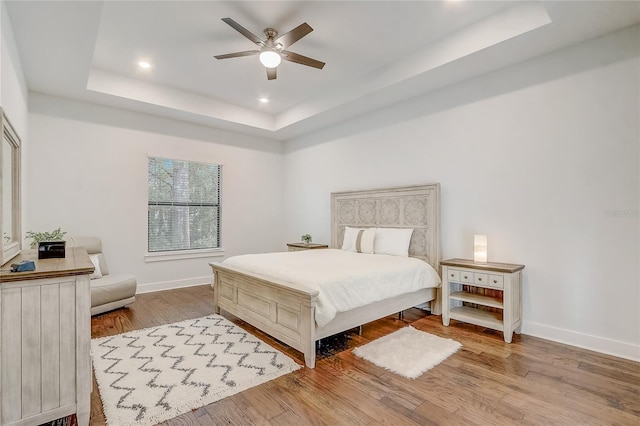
(184, 205)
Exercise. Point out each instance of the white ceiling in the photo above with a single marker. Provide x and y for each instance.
(376, 53)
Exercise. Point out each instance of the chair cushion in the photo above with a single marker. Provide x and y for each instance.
(95, 310)
(111, 288)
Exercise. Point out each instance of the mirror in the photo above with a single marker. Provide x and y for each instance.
(7, 188)
(10, 243)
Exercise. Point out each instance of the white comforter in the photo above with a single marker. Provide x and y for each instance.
(345, 280)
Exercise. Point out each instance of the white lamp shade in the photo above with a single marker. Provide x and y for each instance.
(480, 248)
(270, 59)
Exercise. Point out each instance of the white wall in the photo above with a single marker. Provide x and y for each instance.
(87, 173)
(13, 88)
(538, 157)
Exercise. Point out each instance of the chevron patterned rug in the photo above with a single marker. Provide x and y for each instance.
(151, 375)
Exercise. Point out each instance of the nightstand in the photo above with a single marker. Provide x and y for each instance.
(303, 246)
(486, 294)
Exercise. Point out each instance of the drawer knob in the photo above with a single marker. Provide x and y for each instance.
(465, 277)
(452, 275)
(495, 281)
(480, 279)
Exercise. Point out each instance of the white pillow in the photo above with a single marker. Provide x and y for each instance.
(349, 239)
(97, 273)
(393, 241)
(358, 240)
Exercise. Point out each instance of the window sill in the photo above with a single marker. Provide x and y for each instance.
(182, 254)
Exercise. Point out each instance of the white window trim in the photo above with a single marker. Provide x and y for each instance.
(163, 256)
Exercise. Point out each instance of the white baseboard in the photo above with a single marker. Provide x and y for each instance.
(581, 340)
(168, 285)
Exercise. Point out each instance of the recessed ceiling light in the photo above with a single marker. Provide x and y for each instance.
(144, 64)
(264, 100)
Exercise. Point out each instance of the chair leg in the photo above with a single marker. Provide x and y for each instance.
(400, 315)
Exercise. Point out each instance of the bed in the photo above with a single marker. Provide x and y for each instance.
(286, 309)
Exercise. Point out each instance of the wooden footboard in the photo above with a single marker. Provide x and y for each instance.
(285, 311)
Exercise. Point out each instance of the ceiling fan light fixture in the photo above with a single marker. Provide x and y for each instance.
(270, 58)
(272, 49)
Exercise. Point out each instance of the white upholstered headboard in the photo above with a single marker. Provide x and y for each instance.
(416, 207)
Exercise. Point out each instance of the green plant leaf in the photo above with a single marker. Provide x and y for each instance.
(36, 237)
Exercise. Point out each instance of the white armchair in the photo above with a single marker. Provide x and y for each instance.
(108, 292)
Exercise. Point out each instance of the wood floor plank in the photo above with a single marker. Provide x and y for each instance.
(327, 381)
(261, 399)
(377, 380)
(226, 412)
(587, 400)
(612, 373)
(305, 389)
(256, 415)
(288, 418)
(553, 391)
(487, 382)
(442, 416)
(606, 387)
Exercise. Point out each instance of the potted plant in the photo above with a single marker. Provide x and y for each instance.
(50, 244)
(36, 237)
(306, 238)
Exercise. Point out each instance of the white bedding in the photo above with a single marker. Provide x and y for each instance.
(345, 280)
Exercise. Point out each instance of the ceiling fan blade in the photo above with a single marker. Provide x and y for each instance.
(294, 35)
(245, 32)
(271, 73)
(237, 54)
(299, 59)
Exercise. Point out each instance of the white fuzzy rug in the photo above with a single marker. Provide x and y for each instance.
(151, 375)
(408, 352)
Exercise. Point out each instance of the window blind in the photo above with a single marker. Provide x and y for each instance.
(184, 205)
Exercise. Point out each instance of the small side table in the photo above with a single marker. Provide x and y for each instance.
(303, 246)
(486, 294)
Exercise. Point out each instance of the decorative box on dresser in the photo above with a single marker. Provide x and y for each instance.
(303, 246)
(486, 294)
(45, 342)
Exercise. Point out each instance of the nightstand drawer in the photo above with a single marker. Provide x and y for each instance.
(453, 275)
(481, 279)
(496, 281)
(466, 277)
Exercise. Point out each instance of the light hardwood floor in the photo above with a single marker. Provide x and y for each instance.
(488, 382)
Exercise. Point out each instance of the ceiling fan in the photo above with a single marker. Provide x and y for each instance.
(272, 50)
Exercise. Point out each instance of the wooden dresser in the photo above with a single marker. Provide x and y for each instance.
(45, 341)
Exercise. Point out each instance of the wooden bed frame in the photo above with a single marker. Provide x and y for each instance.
(286, 311)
